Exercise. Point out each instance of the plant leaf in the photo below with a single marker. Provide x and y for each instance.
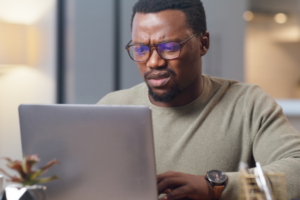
(12, 163)
(16, 179)
(17, 166)
(48, 165)
(27, 175)
(35, 175)
(28, 162)
(47, 179)
(8, 160)
(24, 183)
(34, 158)
(24, 167)
(4, 172)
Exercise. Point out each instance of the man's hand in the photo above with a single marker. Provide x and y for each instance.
(184, 186)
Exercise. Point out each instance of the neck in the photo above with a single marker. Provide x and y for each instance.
(187, 96)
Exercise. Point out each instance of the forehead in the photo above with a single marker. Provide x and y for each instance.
(168, 24)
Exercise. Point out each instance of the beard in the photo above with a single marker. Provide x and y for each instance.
(167, 96)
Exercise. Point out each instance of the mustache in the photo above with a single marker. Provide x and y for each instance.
(156, 71)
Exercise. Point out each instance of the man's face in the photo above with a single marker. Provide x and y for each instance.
(168, 79)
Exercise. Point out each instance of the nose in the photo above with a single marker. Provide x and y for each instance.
(155, 61)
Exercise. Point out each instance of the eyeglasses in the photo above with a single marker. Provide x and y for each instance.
(167, 50)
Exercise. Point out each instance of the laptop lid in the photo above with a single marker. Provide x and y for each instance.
(105, 152)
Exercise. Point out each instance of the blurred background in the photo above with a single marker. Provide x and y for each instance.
(73, 52)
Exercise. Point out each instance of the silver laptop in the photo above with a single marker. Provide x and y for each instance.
(105, 152)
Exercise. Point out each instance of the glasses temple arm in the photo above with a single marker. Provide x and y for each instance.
(190, 38)
(128, 44)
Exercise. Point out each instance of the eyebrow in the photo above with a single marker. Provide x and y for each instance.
(141, 43)
(163, 41)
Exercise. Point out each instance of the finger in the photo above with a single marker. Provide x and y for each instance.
(168, 174)
(178, 193)
(170, 183)
(167, 191)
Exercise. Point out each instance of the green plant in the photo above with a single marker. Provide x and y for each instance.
(28, 176)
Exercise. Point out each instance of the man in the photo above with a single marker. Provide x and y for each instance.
(201, 123)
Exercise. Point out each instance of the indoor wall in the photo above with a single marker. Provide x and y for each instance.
(27, 66)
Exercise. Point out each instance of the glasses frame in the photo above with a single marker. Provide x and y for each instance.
(156, 45)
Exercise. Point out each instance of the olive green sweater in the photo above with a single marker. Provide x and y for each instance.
(228, 123)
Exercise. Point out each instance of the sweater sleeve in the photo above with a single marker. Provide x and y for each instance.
(275, 142)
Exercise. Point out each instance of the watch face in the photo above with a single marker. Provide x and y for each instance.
(216, 176)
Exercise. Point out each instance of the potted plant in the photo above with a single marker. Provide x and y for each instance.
(27, 181)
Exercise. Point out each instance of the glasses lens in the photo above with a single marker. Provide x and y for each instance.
(139, 52)
(169, 50)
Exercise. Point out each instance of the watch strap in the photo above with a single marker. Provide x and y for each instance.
(218, 189)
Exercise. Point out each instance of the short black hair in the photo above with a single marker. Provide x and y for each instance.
(193, 9)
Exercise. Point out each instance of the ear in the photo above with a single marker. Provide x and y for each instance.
(205, 43)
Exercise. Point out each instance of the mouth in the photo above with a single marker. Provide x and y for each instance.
(158, 79)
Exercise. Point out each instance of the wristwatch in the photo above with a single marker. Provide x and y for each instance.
(217, 180)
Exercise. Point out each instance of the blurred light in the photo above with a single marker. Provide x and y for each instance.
(280, 18)
(288, 34)
(14, 45)
(248, 16)
(24, 11)
(19, 44)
